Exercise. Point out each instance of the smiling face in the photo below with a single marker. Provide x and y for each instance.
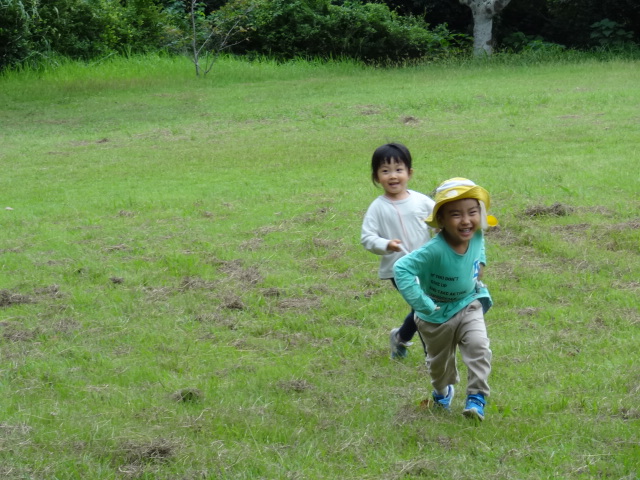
(459, 221)
(393, 177)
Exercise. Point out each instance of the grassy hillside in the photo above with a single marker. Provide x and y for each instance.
(183, 294)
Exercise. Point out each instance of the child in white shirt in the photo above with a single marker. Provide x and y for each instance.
(394, 225)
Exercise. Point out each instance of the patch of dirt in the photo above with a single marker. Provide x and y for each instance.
(420, 468)
(272, 292)
(302, 304)
(159, 450)
(555, 210)
(630, 413)
(159, 293)
(575, 228)
(233, 303)
(311, 217)
(17, 333)
(597, 210)
(51, 291)
(368, 110)
(8, 298)
(409, 413)
(409, 120)
(626, 285)
(187, 395)
(270, 229)
(292, 340)
(217, 318)
(630, 315)
(235, 270)
(322, 242)
(631, 225)
(9, 429)
(11, 435)
(619, 236)
(117, 248)
(64, 325)
(196, 283)
(297, 386)
(251, 245)
(365, 294)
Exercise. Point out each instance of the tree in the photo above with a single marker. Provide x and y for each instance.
(483, 12)
(208, 38)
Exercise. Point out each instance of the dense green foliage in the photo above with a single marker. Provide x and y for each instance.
(373, 31)
(573, 23)
(80, 29)
(370, 32)
(570, 23)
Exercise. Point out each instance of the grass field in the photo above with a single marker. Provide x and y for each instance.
(183, 294)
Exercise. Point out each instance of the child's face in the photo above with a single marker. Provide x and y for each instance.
(394, 177)
(460, 219)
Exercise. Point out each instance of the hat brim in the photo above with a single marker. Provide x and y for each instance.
(476, 192)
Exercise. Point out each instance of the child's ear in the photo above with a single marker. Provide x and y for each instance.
(410, 172)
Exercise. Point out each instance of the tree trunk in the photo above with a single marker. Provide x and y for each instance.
(482, 33)
(483, 12)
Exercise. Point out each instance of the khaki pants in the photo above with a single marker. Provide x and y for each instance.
(467, 331)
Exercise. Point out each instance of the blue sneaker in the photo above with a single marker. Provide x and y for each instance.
(398, 347)
(444, 401)
(474, 407)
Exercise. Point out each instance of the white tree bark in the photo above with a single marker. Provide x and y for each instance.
(483, 12)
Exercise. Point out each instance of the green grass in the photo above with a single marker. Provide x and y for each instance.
(172, 234)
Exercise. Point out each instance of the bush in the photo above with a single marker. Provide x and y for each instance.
(15, 30)
(286, 29)
(607, 33)
(519, 42)
(79, 29)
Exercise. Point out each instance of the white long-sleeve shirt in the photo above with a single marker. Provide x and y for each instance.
(386, 220)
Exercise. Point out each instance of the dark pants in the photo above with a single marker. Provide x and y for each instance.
(408, 328)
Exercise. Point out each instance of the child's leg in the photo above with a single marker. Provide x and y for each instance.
(474, 349)
(439, 340)
(408, 328)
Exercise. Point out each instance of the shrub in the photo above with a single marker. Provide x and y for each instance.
(520, 42)
(607, 33)
(15, 30)
(287, 29)
(79, 29)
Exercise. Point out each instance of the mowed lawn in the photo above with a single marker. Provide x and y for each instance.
(183, 294)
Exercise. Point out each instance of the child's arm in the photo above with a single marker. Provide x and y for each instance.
(371, 240)
(483, 260)
(406, 270)
(395, 245)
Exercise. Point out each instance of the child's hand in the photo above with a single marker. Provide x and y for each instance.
(394, 245)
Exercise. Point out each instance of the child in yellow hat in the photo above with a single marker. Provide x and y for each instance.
(448, 298)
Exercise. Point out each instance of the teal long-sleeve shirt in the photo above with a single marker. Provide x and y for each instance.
(446, 278)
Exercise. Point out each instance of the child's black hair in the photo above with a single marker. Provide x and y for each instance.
(385, 153)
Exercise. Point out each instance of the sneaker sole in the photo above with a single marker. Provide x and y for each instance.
(473, 413)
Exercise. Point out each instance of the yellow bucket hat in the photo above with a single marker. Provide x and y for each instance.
(458, 188)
